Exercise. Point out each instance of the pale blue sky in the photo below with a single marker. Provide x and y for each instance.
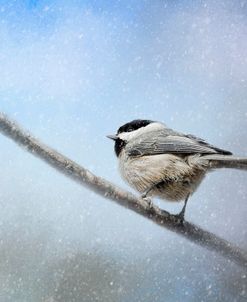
(72, 72)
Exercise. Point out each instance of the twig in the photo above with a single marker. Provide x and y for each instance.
(110, 191)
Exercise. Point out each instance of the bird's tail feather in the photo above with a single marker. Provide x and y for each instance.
(226, 161)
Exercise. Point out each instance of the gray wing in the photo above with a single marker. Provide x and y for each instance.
(169, 141)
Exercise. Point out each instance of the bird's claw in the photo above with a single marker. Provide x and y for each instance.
(144, 195)
(149, 201)
(180, 217)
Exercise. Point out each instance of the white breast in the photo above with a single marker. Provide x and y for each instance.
(180, 178)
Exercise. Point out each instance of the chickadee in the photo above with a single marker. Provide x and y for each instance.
(158, 161)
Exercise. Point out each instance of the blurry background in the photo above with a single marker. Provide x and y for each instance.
(72, 72)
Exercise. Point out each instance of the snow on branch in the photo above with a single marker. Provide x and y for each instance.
(126, 199)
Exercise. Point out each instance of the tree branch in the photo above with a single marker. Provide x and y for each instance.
(110, 191)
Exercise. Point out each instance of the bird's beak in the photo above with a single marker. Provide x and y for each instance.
(113, 137)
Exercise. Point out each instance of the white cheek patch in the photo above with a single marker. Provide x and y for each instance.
(127, 136)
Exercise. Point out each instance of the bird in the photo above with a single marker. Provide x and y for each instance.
(160, 162)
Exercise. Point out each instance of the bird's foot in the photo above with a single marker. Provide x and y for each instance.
(180, 217)
(149, 201)
(144, 195)
(181, 214)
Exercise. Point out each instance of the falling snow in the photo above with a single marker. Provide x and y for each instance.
(73, 72)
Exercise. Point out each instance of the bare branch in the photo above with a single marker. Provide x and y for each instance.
(110, 191)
